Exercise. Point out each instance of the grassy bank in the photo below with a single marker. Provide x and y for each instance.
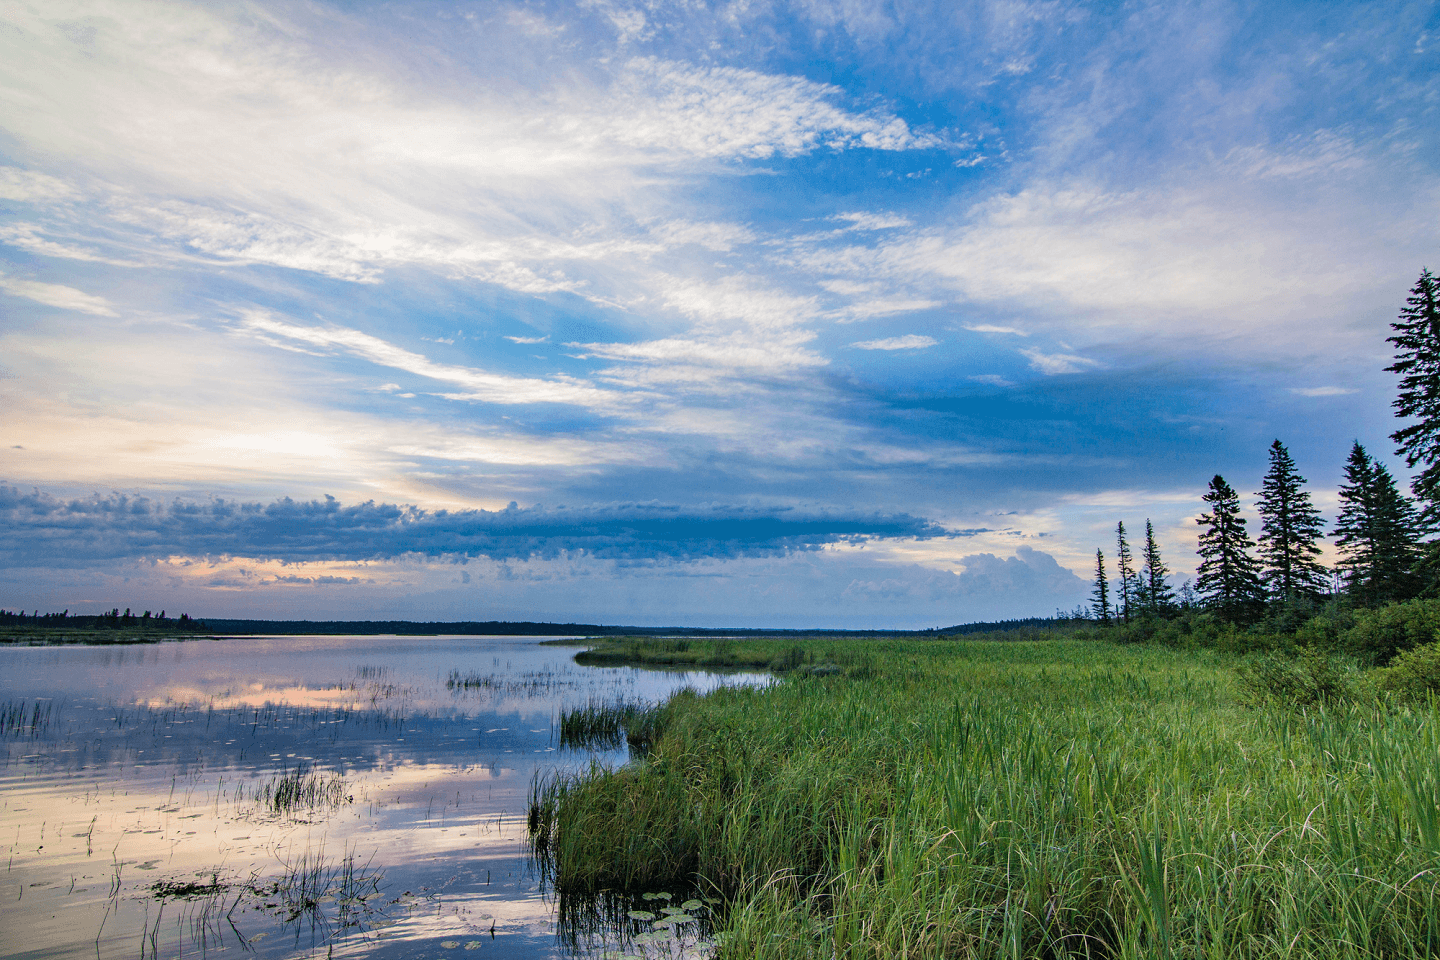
(80, 635)
(821, 653)
(1061, 798)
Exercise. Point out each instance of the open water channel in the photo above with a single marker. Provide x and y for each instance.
(295, 796)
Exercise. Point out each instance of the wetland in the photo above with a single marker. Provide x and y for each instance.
(308, 796)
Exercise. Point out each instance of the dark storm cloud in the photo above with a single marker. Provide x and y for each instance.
(37, 529)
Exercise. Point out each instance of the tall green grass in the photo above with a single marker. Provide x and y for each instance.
(1041, 799)
(607, 725)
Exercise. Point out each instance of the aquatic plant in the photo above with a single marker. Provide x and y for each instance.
(301, 789)
(18, 718)
(606, 725)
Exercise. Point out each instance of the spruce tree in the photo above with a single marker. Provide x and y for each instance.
(1399, 555)
(1417, 360)
(1355, 526)
(1228, 578)
(1129, 578)
(1100, 604)
(1159, 597)
(1289, 531)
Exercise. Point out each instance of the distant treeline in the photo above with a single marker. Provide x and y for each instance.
(112, 620)
(504, 628)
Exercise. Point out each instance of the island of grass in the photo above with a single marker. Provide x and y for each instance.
(1065, 797)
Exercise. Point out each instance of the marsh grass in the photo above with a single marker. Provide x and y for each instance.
(300, 790)
(608, 725)
(310, 881)
(18, 718)
(1032, 799)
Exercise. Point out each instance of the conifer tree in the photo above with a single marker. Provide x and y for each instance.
(1378, 533)
(1129, 578)
(1100, 603)
(1289, 531)
(1355, 525)
(1417, 360)
(1159, 597)
(1228, 578)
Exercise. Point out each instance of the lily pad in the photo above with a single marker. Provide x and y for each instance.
(640, 915)
(450, 944)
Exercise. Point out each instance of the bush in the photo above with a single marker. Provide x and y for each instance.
(1326, 628)
(1378, 635)
(1308, 678)
(1413, 675)
(788, 660)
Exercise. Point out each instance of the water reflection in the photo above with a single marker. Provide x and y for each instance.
(294, 796)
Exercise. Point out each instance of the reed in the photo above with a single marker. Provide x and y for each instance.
(1062, 798)
(18, 718)
(607, 725)
(302, 789)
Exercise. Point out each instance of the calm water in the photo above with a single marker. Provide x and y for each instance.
(139, 783)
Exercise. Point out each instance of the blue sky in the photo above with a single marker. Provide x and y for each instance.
(810, 314)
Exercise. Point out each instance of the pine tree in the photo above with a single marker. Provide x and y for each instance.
(1159, 597)
(1129, 578)
(1100, 603)
(1228, 578)
(1417, 360)
(1291, 527)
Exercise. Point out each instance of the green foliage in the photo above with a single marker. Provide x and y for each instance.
(1062, 799)
(1417, 360)
(1100, 599)
(1228, 579)
(1377, 532)
(1379, 634)
(1326, 628)
(1414, 675)
(1290, 527)
(1157, 599)
(1302, 679)
(1128, 579)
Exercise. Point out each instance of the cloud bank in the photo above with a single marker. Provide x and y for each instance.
(37, 529)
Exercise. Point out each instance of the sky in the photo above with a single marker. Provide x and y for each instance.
(812, 314)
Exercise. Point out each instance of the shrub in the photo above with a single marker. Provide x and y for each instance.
(1306, 679)
(788, 660)
(1413, 675)
(1378, 635)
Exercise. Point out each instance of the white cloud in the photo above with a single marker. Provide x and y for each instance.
(528, 339)
(30, 186)
(1321, 391)
(727, 355)
(992, 328)
(1051, 364)
(477, 384)
(730, 112)
(873, 221)
(868, 309)
(56, 295)
(911, 341)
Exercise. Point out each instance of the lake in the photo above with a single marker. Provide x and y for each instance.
(295, 796)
